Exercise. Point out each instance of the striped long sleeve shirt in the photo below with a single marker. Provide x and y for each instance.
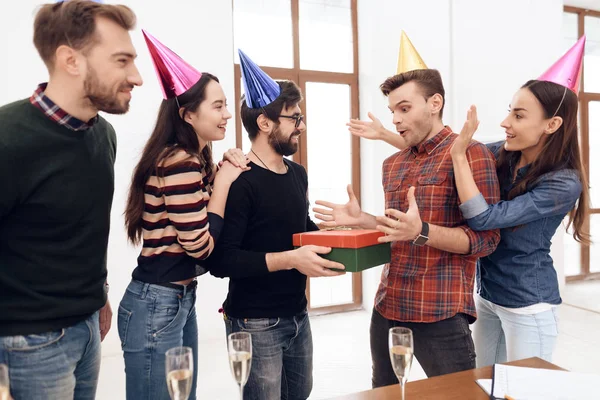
(176, 232)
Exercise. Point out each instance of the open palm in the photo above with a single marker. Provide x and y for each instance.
(462, 142)
(339, 214)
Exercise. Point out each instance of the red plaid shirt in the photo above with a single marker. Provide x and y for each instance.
(424, 284)
(57, 114)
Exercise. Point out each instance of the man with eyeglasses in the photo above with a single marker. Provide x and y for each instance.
(265, 207)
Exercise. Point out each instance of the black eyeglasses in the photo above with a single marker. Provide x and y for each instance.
(298, 117)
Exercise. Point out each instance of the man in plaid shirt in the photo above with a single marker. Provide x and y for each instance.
(428, 285)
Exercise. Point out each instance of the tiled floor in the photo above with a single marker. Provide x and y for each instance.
(342, 357)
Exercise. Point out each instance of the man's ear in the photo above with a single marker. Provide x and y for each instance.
(264, 123)
(436, 102)
(66, 59)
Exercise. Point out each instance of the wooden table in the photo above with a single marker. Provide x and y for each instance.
(457, 386)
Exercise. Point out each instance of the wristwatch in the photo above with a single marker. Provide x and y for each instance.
(422, 238)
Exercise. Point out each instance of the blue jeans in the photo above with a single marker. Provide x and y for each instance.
(502, 336)
(282, 356)
(151, 320)
(62, 364)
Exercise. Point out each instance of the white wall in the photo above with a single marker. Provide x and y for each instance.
(484, 51)
(484, 54)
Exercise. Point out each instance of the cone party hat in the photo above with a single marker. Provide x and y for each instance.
(408, 57)
(174, 74)
(567, 70)
(260, 88)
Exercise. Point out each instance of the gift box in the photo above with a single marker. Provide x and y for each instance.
(357, 249)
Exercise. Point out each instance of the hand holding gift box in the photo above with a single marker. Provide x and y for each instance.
(356, 249)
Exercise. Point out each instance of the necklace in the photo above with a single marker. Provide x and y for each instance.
(263, 163)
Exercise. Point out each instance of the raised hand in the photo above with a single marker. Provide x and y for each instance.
(339, 214)
(373, 129)
(400, 226)
(461, 143)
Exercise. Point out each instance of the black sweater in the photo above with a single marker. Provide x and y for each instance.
(57, 189)
(263, 211)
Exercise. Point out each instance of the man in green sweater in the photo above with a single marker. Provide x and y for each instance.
(57, 177)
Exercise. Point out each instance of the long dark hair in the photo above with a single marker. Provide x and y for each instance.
(171, 134)
(560, 150)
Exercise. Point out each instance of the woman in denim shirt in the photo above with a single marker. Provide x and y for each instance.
(541, 180)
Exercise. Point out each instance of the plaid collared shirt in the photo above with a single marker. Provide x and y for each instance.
(424, 284)
(57, 114)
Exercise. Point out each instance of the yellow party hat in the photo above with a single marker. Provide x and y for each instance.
(408, 58)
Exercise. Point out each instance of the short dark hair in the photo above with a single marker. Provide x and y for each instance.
(428, 80)
(290, 96)
(73, 23)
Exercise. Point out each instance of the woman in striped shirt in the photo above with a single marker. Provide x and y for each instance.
(175, 207)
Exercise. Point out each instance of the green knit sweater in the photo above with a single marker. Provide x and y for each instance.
(56, 191)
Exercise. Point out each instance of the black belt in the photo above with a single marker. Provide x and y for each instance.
(190, 286)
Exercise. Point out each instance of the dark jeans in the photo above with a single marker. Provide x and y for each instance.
(282, 357)
(441, 347)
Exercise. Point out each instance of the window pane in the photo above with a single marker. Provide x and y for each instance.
(270, 20)
(333, 291)
(594, 138)
(326, 35)
(569, 31)
(329, 149)
(591, 77)
(329, 152)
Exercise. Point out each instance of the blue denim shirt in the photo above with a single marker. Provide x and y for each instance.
(521, 272)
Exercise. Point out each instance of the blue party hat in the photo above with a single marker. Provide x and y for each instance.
(259, 88)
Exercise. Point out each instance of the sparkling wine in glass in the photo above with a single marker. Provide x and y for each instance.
(240, 358)
(179, 363)
(401, 354)
(4, 383)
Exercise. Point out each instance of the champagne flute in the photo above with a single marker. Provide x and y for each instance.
(401, 354)
(4, 383)
(179, 367)
(240, 358)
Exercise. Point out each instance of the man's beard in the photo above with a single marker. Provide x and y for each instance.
(101, 97)
(282, 146)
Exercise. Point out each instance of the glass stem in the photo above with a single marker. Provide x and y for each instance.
(402, 385)
(241, 392)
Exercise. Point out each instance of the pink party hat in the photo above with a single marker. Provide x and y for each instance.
(567, 70)
(175, 75)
